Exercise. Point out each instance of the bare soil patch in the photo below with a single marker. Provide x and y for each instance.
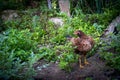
(96, 70)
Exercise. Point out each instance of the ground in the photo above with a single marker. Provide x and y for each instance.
(96, 70)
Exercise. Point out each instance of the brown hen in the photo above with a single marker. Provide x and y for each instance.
(83, 44)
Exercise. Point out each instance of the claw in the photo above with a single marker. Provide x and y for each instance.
(81, 66)
(86, 63)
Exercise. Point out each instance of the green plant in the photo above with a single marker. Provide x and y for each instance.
(94, 6)
(104, 18)
(17, 54)
(37, 36)
(11, 66)
(88, 78)
(47, 53)
(19, 41)
(66, 56)
(112, 58)
(33, 37)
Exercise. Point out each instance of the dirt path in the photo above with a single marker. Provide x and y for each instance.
(95, 71)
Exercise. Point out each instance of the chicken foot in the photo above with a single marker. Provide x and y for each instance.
(82, 59)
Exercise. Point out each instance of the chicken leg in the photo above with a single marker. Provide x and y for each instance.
(80, 61)
(85, 60)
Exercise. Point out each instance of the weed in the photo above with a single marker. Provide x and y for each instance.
(112, 57)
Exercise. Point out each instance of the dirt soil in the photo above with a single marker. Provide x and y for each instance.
(96, 70)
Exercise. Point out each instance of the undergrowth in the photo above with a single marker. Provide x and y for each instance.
(110, 50)
(34, 37)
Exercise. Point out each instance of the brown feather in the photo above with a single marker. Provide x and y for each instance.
(83, 43)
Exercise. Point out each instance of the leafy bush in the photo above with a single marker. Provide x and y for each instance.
(104, 18)
(66, 56)
(47, 53)
(12, 68)
(33, 36)
(19, 41)
(16, 55)
(36, 35)
(112, 57)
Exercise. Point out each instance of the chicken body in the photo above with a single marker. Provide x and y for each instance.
(82, 44)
